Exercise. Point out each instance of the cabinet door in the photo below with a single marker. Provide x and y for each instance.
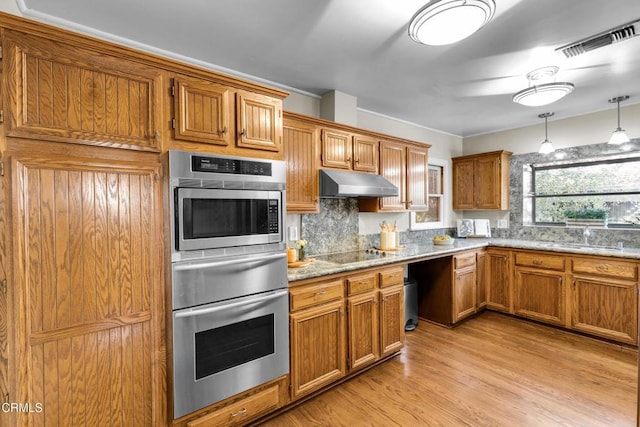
(539, 295)
(318, 347)
(488, 191)
(393, 166)
(202, 112)
(481, 280)
(259, 121)
(66, 93)
(89, 291)
(336, 149)
(391, 319)
(463, 188)
(365, 154)
(417, 166)
(300, 154)
(464, 293)
(606, 307)
(498, 281)
(363, 329)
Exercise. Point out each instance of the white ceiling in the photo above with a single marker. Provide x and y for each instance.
(361, 47)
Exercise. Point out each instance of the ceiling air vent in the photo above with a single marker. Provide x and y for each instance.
(606, 38)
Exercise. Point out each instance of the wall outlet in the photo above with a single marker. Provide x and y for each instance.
(293, 233)
(502, 223)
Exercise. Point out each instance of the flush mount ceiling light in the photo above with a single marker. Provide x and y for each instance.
(442, 22)
(619, 136)
(544, 93)
(547, 146)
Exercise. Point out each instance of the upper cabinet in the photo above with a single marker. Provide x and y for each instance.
(405, 166)
(63, 92)
(481, 181)
(301, 155)
(216, 114)
(349, 151)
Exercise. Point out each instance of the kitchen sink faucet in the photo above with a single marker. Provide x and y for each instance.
(586, 235)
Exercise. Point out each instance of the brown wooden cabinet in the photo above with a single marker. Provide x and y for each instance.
(464, 286)
(362, 319)
(498, 279)
(481, 181)
(203, 111)
(391, 310)
(211, 113)
(481, 279)
(88, 297)
(605, 301)
(365, 154)
(318, 336)
(342, 149)
(539, 287)
(63, 92)
(405, 166)
(301, 155)
(447, 288)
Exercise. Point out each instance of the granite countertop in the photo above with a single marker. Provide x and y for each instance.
(325, 265)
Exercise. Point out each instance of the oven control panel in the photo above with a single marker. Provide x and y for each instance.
(230, 166)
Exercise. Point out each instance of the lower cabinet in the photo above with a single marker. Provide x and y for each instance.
(590, 294)
(318, 336)
(447, 288)
(498, 279)
(481, 280)
(391, 310)
(539, 295)
(539, 287)
(343, 324)
(242, 409)
(605, 298)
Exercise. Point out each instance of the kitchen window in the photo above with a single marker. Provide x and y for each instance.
(612, 185)
(433, 217)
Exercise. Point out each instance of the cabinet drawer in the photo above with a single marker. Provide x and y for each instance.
(363, 283)
(310, 295)
(549, 262)
(240, 412)
(606, 267)
(391, 276)
(466, 260)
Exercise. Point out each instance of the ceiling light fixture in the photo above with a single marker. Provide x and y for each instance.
(547, 146)
(442, 22)
(544, 93)
(619, 136)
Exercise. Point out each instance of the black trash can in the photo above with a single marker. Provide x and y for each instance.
(410, 305)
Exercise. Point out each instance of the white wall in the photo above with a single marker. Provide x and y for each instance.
(587, 129)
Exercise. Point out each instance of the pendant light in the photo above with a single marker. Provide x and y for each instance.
(442, 22)
(542, 93)
(547, 146)
(619, 136)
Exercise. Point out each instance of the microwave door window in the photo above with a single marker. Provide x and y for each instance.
(210, 218)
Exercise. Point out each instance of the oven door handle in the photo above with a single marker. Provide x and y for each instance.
(244, 260)
(200, 311)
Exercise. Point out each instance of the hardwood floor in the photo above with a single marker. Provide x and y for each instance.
(493, 370)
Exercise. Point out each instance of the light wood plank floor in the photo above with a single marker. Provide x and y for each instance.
(493, 370)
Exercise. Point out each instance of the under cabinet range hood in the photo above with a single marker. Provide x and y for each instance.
(354, 184)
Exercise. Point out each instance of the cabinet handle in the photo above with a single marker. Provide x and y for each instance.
(244, 132)
(322, 292)
(223, 131)
(602, 267)
(240, 412)
(537, 262)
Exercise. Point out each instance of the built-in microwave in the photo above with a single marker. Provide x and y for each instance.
(226, 205)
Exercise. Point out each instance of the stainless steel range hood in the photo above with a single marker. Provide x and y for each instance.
(354, 184)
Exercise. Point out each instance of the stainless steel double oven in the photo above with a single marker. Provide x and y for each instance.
(229, 276)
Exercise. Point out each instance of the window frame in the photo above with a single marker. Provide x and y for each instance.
(444, 179)
(534, 168)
